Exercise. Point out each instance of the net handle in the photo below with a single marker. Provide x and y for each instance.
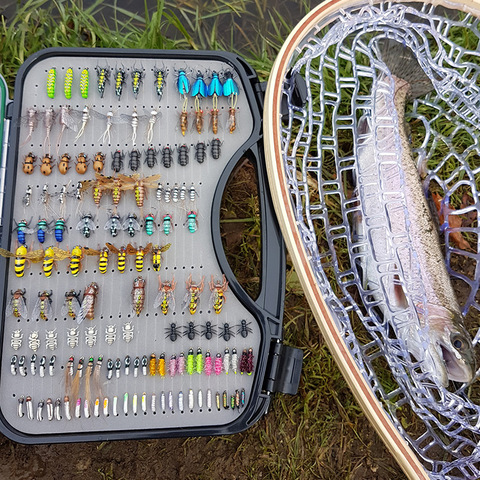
(369, 403)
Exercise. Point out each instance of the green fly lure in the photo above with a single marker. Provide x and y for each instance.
(84, 83)
(67, 87)
(51, 77)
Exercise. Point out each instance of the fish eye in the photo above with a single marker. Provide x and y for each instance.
(458, 342)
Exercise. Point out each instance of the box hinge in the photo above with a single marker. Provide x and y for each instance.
(284, 369)
(5, 116)
(260, 88)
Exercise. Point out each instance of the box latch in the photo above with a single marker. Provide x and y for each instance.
(284, 369)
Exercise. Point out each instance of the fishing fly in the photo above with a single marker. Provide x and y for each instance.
(138, 295)
(172, 332)
(117, 160)
(23, 229)
(67, 86)
(134, 162)
(84, 83)
(64, 164)
(150, 225)
(167, 224)
(114, 224)
(192, 221)
(230, 90)
(199, 90)
(82, 163)
(183, 155)
(71, 304)
(59, 228)
(103, 75)
(151, 157)
(157, 256)
(43, 306)
(200, 152)
(192, 297)
(99, 162)
(215, 148)
(131, 224)
(22, 255)
(215, 90)
(183, 87)
(85, 118)
(139, 185)
(160, 75)
(47, 165)
(48, 121)
(17, 306)
(31, 121)
(137, 77)
(119, 81)
(86, 225)
(151, 124)
(121, 256)
(139, 253)
(87, 309)
(28, 165)
(165, 298)
(26, 199)
(51, 81)
(218, 289)
(167, 157)
(42, 228)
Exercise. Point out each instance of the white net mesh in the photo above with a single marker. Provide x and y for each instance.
(329, 188)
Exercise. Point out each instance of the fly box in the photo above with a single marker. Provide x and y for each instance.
(121, 316)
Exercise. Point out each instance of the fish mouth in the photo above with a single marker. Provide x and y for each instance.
(457, 368)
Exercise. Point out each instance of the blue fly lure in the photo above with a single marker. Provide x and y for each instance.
(183, 84)
(22, 230)
(199, 87)
(60, 227)
(215, 86)
(230, 87)
(42, 228)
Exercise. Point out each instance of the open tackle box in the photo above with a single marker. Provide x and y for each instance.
(121, 316)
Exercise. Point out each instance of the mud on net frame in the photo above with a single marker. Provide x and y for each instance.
(319, 144)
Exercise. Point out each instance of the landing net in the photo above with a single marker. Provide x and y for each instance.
(321, 140)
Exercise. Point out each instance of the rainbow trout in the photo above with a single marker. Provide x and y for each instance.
(404, 266)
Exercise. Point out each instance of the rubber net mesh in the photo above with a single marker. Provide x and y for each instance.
(341, 66)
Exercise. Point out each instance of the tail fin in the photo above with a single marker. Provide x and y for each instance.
(402, 63)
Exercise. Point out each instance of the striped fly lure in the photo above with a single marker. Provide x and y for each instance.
(160, 75)
(17, 306)
(71, 304)
(139, 185)
(218, 289)
(103, 74)
(43, 306)
(192, 297)
(165, 298)
(137, 77)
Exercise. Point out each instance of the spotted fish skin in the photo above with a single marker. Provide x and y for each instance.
(432, 328)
